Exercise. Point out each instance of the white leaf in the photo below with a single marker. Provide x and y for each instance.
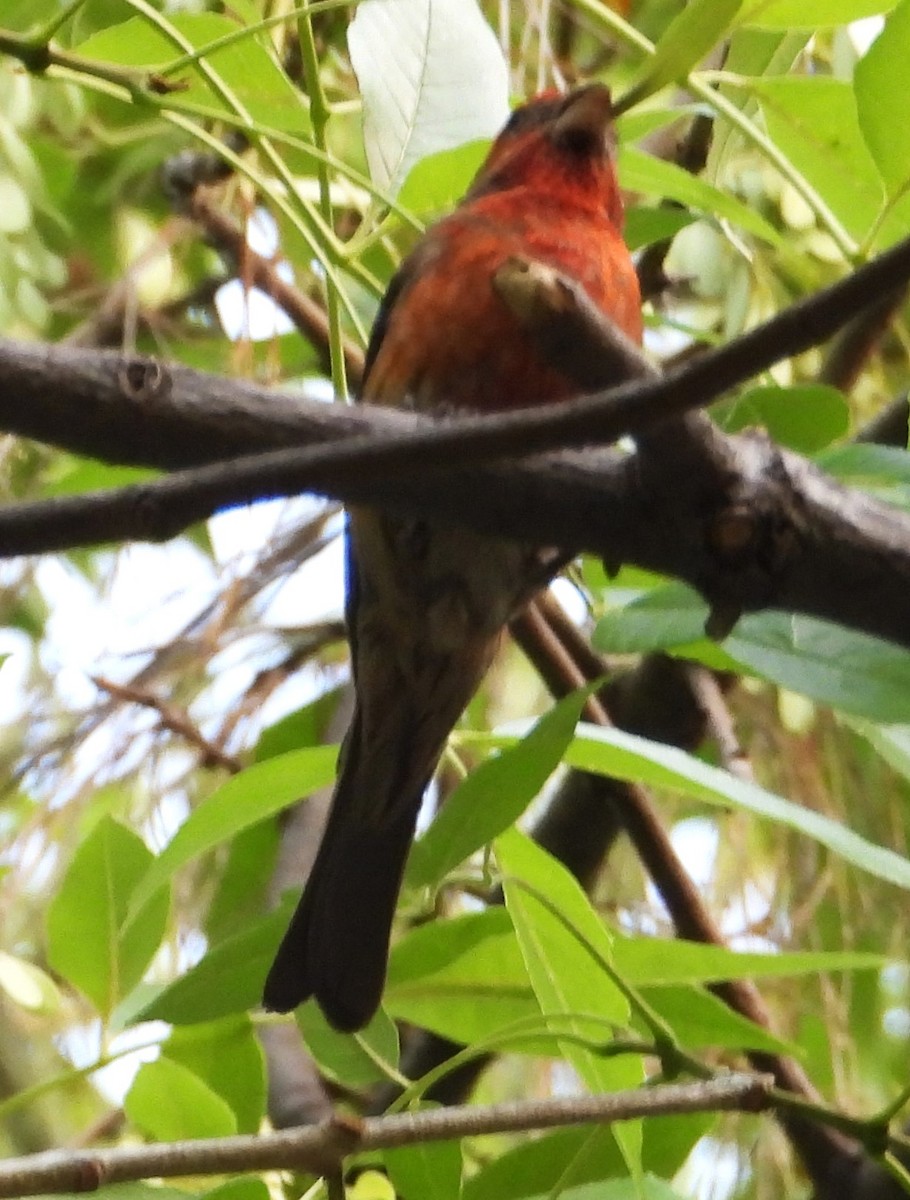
(432, 76)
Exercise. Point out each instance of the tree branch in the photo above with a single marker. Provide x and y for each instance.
(321, 1148)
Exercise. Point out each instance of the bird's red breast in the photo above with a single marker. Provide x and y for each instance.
(547, 191)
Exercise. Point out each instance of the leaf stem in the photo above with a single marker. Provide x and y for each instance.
(319, 114)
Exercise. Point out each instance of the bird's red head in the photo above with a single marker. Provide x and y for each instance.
(555, 141)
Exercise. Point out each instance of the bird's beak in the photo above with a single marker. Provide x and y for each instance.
(585, 120)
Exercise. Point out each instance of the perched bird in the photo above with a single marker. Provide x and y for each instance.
(427, 605)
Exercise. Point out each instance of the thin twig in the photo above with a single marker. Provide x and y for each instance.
(174, 719)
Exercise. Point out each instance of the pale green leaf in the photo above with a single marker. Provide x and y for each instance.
(809, 14)
(168, 1102)
(260, 791)
(494, 795)
(89, 942)
(880, 83)
(622, 755)
(432, 76)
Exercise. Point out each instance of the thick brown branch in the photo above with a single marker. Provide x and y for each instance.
(139, 413)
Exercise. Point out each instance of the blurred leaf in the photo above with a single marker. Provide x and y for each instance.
(649, 961)
(426, 1171)
(168, 1102)
(89, 475)
(241, 78)
(227, 980)
(559, 940)
(695, 30)
(350, 1058)
(645, 225)
(880, 82)
(432, 76)
(238, 1189)
(814, 123)
(612, 752)
(242, 888)
(861, 463)
(647, 1188)
(807, 14)
(700, 1021)
(561, 1161)
(438, 181)
(258, 792)
(828, 663)
(135, 1191)
(640, 172)
(805, 418)
(464, 978)
(227, 1057)
(494, 795)
(88, 941)
(304, 727)
(882, 471)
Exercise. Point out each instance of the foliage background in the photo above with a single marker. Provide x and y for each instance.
(141, 827)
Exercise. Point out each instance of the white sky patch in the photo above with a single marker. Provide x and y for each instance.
(82, 1046)
(248, 312)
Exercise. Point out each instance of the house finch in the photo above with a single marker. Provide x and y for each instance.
(426, 605)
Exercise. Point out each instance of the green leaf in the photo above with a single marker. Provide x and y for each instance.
(805, 418)
(695, 29)
(649, 1187)
(883, 471)
(228, 980)
(426, 1171)
(665, 617)
(89, 475)
(494, 795)
(168, 1102)
(614, 753)
(438, 181)
(892, 742)
(880, 83)
(354, 1060)
(306, 726)
(699, 1021)
(837, 666)
(814, 123)
(258, 792)
(432, 76)
(645, 225)
(649, 961)
(850, 671)
(570, 1162)
(241, 78)
(809, 14)
(563, 942)
(88, 942)
(242, 890)
(238, 1189)
(640, 172)
(463, 978)
(135, 1191)
(227, 1056)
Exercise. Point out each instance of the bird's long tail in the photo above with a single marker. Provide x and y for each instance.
(337, 944)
